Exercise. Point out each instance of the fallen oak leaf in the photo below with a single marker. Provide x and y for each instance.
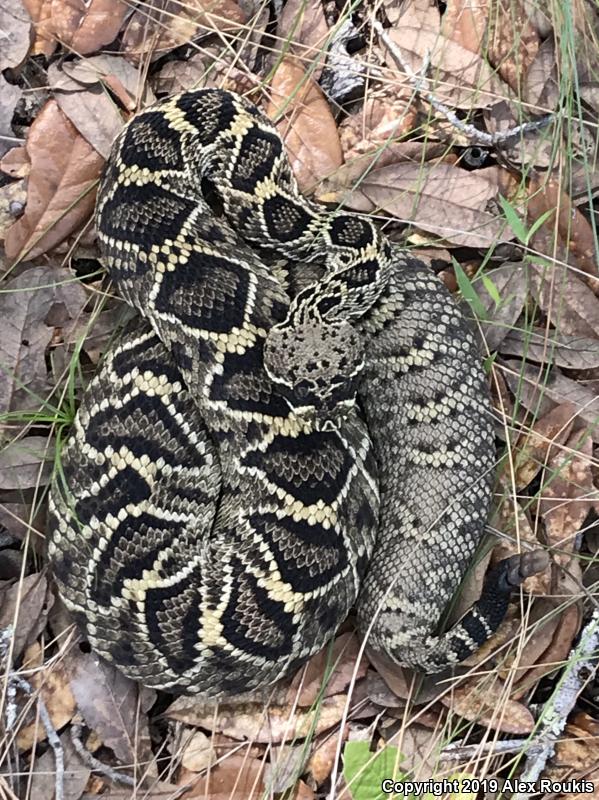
(567, 493)
(91, 110)
(82, 25)
(167, 24)
(305, 123)
(60, 197)
(440, 198)
(534, 447)
(489, 706)
(272, 723)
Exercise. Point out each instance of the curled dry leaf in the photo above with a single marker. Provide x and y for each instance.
(541, 85)
(27, 328)
(81, 25)
(25, 606)
(303, 29)
(90, 109)
(487, 702)
(257, 722)
(466, 22)
(460, 76)
(15, 25)
(568, 302)
(305, 123)
(27, 462)
(567, 493)
(52, 683)
(197, 752)
(9, 97)
(440, 198)
(60, 196)
(577, 748)
(237, 777)
(551, 347)
(76, 774)
(535, 447)
(110, 705)
(565, 227)
(510, 282)
(124, 79)
(386, 115)
(341, 658)
(539, 392)
(162, 25)
(564, 626)
(512, 39)
(324, 754)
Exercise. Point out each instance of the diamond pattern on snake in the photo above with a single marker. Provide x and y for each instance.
(296, 424)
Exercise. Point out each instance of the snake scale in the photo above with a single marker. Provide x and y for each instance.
(299, 425)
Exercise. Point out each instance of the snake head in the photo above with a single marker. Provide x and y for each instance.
(315, 365)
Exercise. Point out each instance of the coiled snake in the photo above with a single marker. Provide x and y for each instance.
(301, 423)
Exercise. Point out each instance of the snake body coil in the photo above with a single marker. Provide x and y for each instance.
(226, 496)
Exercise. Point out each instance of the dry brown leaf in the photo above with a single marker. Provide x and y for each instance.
(180, 76)
(440, 198)
(511, 519)
(566, 227)
(341, 658)
(286, 765)
(109, 703)
(489, 705)
(577, 748)
(324, 755)
(24, 606)
(534, 448)
(385, 115)
(9, 97)
(28, 304)
(512, 40)
(306, 124)
(551, 347)
(466, 22)
(556, 654)
(60, 196)
(52, 684)
(16, 164)
(567, 493)
(541, 84)
(76, 773)
(568, 302)
(197, 751)
(303, 29)
(254, 721)
(81, 25)
(15, 25)
(124, 79)
(238, 777)
(403, 682)
(26, 462)
(460, 75)
(538, 392)
(341, 187)
(510, 281)
(163, 25)
(91, 111)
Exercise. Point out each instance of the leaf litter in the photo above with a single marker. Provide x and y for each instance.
(384, 149)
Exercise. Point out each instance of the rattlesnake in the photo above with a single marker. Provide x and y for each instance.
(225, 496)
